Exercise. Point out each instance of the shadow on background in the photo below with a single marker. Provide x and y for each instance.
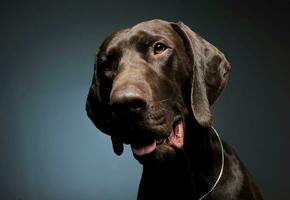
(50, 150)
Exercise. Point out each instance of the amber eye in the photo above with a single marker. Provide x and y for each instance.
(105, 65)
(159, 48)
(105, 68)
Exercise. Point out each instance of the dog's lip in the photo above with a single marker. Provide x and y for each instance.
(177, 134)
(175, 138)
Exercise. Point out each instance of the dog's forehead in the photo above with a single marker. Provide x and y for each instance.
(159, 27)
(148, 30)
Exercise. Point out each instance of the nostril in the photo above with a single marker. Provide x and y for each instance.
(129, 106)
(127, 100)
(137, 105)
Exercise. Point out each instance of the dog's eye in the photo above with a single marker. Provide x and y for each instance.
(159, 47)
(105, 66)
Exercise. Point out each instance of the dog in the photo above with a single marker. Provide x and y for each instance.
(153, 86)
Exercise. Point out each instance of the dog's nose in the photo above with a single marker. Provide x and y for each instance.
(127, 101)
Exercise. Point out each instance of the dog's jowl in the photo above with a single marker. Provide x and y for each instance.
(153, 87)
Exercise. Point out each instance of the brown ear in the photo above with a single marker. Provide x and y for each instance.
(209, 73)
(99, 111)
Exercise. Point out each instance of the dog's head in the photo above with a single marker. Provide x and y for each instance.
(147, 79)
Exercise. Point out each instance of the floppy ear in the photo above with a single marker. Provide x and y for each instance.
(99, 111)
(210, 71)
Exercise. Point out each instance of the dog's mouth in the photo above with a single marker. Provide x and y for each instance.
(150, 145)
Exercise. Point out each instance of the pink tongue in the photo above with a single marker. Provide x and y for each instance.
(140, 151)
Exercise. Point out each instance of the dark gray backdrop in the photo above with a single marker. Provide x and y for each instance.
(50, 150)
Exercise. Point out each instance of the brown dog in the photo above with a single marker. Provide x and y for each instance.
(152, 88)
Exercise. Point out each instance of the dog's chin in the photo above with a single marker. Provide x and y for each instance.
(156, 151)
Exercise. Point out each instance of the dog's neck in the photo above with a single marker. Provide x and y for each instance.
(189, 174)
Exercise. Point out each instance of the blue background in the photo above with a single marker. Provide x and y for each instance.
(50, 150)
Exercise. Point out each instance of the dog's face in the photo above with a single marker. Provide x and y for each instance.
(147, 79)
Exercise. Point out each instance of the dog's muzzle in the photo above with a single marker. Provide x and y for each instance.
(129, 109)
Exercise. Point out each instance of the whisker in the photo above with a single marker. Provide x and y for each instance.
(163, 100)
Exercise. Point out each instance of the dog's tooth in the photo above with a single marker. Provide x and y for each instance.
(159, 141)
